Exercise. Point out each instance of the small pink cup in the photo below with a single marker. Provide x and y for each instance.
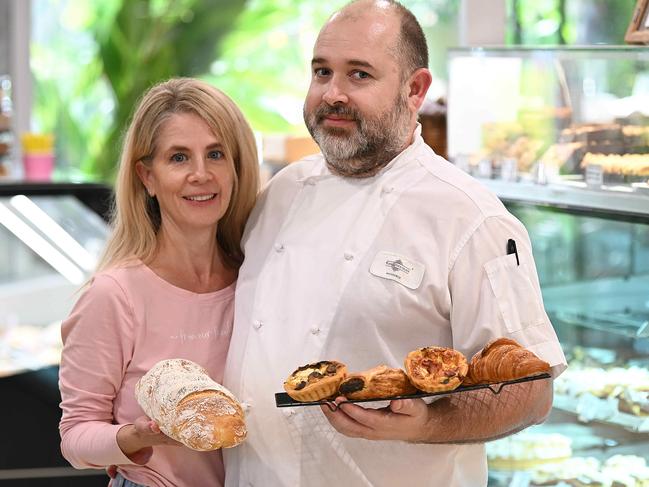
(38, 167)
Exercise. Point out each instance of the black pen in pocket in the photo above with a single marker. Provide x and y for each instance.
(511, 249)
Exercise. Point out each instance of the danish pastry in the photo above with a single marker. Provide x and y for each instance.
(378, 382)
(314, 382)
(503, 359)
(436, 369)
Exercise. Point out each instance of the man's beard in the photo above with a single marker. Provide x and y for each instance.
(362, 151)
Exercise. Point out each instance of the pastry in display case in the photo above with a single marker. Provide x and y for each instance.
(575, 116)
(593, 267)
(6, 135)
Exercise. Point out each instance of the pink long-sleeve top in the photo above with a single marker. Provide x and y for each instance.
(126, 321)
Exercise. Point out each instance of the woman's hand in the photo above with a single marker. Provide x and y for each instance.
(403, 419)
(138, 439)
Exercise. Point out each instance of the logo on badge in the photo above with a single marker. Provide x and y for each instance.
(397, 266)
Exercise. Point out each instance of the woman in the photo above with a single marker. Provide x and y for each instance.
(164, 288)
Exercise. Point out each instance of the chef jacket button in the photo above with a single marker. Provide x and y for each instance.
(311, 181)
(387, 189)
(257, 324)
(279, 248)
(349, 256)
(245, 406)
(288, 413)
(315, 330)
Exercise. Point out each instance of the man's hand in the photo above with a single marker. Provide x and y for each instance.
(403, 419)
(138, 439)
(470, 417)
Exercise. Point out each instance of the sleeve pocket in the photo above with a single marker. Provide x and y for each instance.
(518, 300)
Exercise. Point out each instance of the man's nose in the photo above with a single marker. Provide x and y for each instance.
(335, 93)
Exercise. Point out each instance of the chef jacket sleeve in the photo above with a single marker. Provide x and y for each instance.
(496, 293)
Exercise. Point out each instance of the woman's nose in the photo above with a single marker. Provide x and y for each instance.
(199, 171)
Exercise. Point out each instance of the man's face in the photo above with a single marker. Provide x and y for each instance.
(356, 108)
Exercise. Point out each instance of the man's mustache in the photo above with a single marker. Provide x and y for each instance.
(338, 110)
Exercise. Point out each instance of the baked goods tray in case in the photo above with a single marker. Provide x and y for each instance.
(283, 400)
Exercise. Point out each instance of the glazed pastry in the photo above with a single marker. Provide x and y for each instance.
(379, 382)
(436, 369)
(503, 359)
(314, 382)
(190, 407)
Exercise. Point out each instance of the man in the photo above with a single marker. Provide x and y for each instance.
(317, 283)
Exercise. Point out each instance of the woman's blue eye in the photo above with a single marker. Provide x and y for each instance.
(215, 154)
(179, 157)
(361, 75)
(321, 71)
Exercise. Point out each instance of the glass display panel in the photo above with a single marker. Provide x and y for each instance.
(49, 246)
(594, 276)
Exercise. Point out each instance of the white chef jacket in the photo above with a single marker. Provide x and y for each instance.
(363, 271)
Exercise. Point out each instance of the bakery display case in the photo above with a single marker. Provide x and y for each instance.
(50, 241)
(594, 271)
(561, 135)
(51, 236)
(570, 116)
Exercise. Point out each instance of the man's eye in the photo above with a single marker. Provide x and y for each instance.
(178, 157)
(215, 154)
(360, 75)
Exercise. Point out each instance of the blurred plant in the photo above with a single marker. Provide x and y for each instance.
(152, 40)
(543, 22)
(136, 44)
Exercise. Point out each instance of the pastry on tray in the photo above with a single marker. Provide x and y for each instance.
(379, 382)
(501, 360)
(316, 381)
(436, 369)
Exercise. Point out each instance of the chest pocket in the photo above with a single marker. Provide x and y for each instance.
(518, 300)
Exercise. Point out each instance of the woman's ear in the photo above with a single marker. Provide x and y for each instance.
(418, 85)
(144, 173)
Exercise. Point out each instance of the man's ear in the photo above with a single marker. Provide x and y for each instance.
(418, 85)
(144, 173)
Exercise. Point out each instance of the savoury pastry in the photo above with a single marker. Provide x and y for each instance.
(190, 407)
(501, 360)
(379, 382)
(314, 382)
(436, 369)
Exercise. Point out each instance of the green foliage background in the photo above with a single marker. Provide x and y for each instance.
(92, 60)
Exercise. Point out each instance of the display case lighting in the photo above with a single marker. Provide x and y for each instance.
(39, 245)
(54, 232)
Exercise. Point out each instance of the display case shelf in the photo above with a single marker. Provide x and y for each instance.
(630, 324)
(589, 408)
(578, 197)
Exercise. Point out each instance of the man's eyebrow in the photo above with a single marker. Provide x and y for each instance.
(352, 62)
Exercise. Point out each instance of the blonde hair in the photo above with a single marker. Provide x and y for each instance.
(136, 216)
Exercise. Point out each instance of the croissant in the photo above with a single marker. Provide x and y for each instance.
(378, 382)
(503, 359)
(190, 407)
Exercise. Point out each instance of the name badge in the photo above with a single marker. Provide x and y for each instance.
(398, 268)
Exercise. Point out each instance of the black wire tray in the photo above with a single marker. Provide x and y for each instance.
(283, 400)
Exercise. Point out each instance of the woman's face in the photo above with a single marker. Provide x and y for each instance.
(191, 174)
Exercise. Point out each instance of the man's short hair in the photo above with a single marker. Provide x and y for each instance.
(411, 48)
